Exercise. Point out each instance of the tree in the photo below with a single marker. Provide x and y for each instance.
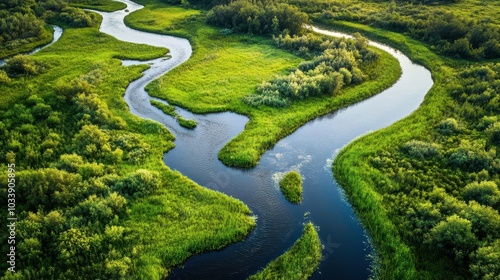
(453, 237)
(485, 192)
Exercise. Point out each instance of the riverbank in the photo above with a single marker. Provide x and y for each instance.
(372, 188)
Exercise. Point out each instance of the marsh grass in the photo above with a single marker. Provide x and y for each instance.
(299, 262)
(99, 5)
(190, 124)
(291, 186)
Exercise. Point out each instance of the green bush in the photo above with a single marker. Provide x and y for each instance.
(485, 192)
(420, 149)
(139, 184)
(186, 123)
(20, 65)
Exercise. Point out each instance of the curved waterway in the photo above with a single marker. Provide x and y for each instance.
(57, 34)
(310, 150)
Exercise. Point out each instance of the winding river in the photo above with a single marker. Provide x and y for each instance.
(310, 150)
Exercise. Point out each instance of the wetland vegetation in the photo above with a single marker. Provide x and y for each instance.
(291, 186)
(91, 181)
(299, 262)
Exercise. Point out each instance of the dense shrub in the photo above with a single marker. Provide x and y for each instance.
(335, 63)
(258, 17)
(22, 65)
(139, 184)
(453, 237)
(420, 149)
(485, 192)
(77, 17)
(447, 32)
(448, 126)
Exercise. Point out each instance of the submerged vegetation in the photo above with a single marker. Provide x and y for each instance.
(299, 262)
(291, 186)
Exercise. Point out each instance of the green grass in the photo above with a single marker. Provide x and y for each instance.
(165, 108)
(225, 68)
(183, 218)
(99, 5)
(186, 123)
(45, 38)
(291, 186)
(299, 262)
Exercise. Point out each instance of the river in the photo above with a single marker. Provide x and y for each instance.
(309, 150)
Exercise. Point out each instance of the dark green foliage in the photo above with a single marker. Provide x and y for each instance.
(77, 17)
(22, 22)
(454, 237)
(448, 126)
(485, 193)
(20, 65)
(445, 191)
(420, 149)
(258, 17)
(486, 262)
(291, 186)
(141, 183)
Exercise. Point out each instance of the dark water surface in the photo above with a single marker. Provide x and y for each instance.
(309, 150)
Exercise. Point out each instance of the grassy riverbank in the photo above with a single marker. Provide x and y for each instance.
(406, 197)
(99, 5)
(226, 67)
(299, 262)
(91, 183)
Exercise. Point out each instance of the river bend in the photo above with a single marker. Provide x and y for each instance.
(309, 150)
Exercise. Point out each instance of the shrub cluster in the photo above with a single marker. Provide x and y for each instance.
(448, 33)
(258, 17)
(335, 63)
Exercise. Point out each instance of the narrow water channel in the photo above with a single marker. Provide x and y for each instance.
(310, 150)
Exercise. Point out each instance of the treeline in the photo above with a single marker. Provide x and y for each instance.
(448, 33)
(70, 200)
(23, 22)
(258, 17)
(446, 195)
(333, 64)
